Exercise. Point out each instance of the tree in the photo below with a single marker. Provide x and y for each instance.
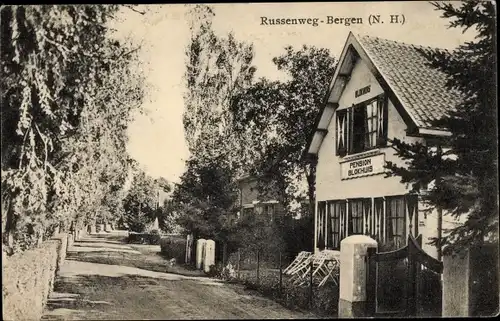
(461, 170)
(167, 217)
(205, 199)
(279, 115)
(217, 68)
(68, 89)
(141, 203)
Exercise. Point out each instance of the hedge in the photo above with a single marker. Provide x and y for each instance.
(173, 247)
(28, 278)
(152, 238)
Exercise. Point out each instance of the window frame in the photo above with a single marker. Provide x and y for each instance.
(392, 220)
(356, 221)
(345, 131)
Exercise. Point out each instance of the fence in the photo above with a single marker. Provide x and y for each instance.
(265, 272)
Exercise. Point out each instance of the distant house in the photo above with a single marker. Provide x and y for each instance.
(381, 89)
(255, 202)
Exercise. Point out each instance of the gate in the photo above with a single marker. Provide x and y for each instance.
(403, 283)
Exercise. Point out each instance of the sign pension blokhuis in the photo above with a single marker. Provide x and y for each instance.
(363, 166)
(369, 165)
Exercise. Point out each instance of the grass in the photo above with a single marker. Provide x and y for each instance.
(147, 260)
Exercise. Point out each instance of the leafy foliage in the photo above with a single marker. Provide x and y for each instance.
(218, 67)
(256, 233)
(68, 89)
(205, 199)
(279, 115)
(141, 204)
(461, 170)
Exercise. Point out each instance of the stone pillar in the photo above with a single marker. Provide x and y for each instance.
(209, 258)
(470, 283)
(70, 241)
(352, 279)
(189, 244)
(456, 273)
(93, 229)
(200, 247)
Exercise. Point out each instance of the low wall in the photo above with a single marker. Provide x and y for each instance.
(28, 279)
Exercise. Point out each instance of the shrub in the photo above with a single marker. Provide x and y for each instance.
(215, 270)
(173, 247)
(28, 278)
(135, 238)
(325, 298)
(152, 238)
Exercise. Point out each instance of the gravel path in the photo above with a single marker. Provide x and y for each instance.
(94, 291)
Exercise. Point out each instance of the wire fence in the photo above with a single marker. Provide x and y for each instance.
(267, 272)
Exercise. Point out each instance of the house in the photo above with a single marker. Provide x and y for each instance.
(258, 202)
(381, 89)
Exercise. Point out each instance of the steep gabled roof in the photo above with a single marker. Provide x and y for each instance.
(417, 90)
(420, 88)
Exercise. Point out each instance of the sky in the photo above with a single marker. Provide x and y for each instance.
(156, 138)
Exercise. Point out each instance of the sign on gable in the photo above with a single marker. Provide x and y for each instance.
(362, 91)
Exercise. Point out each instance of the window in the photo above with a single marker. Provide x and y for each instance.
(247, 211)
(334, 210)
(270, 211)
(362, 127)
(396, 221)
(356, 210)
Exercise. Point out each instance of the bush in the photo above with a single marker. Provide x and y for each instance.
(28, 279)
(152, 238)
(173, 247)
(325, 298)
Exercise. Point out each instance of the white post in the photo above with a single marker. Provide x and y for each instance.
(352, 298)
(200, 245)
(189, 245)
(209, 255)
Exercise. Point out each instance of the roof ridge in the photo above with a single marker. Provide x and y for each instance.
(360, 36)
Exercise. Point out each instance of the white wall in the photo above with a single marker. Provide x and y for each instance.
(330, 186)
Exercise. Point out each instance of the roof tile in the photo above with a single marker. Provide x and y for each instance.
(421, 88)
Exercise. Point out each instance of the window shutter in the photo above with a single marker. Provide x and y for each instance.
(367, 207)
(350, 129)
(382, 105)
(329, 225)
(341, 132)
(321, 225)
(412, 207)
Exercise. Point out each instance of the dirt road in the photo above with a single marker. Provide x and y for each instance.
(88, 290)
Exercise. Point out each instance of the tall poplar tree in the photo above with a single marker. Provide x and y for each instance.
(218, 68)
